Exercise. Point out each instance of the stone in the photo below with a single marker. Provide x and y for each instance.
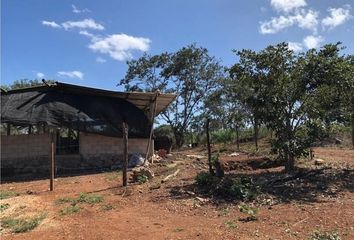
(136, 160)
(319, 161)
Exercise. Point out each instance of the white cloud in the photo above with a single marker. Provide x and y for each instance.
(337, 16)
(100, 60)
(76, 10)
(72, 74)
(295, 46)
(313, 41)
(84, 24)
(120, 46)
(40, 75)
(276, 24)
(51, 24)
(287, 5)
(306, 19)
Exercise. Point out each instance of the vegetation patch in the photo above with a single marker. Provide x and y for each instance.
(8, 194)
(4, 206)
(251, 212)
(107, 207)
(229, 188)
(69, 210)
(319, 235)
(179, 229)
(20, 225)
(230, 224)
(82, 198)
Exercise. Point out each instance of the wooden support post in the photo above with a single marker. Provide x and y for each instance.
(152, 118)
(29, 129)
(209, 147)
(52, 161)
(125, 153)
(8, 129)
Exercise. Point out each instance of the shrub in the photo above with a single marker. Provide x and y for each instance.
(206, 181)
(20, 225)
(142, 179)
(222, 136)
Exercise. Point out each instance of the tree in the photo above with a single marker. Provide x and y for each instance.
(22, 83)
(191, 73)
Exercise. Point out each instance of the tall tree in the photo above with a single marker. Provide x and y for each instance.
(191, 73)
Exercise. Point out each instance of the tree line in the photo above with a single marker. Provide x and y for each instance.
(294, 95)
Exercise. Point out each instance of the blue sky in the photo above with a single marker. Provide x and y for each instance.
(89, 42)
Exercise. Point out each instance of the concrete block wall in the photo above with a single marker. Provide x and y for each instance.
(24, 154)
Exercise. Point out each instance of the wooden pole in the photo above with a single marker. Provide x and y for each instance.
(125, 153)
(153, 112)
(8, 129)
(208, 145)
(52, 161)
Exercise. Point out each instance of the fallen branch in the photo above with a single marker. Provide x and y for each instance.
(170, 176)
(303, 220)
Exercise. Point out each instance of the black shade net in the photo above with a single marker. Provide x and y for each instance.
(83, 112)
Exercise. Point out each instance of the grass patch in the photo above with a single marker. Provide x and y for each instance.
(107, 207)
(230, 224)
(179, 229)
(8, 194)
(21, 225)
(112, 176)
(250, 211)
(69, 210)
(82, 198)
(319, 235)
(4, 206)
(224, 212)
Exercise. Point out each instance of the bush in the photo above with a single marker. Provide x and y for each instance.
(250, 211)
(222, 136)
(206, 181)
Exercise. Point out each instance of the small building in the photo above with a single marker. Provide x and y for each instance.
(84, 123)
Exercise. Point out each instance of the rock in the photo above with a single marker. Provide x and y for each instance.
(234, 154)
(142, 171)
(136, 160)
(319, 161)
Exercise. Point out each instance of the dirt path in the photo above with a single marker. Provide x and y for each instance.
(170, 211)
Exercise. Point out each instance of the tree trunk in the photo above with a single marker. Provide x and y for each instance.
(237, 139)
(208, 145)
(353, 129)
(256, 133)
(179, 136)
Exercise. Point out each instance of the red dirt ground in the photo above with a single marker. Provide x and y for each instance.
(172, 210)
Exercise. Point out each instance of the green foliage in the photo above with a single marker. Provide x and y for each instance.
(82, 198)
(222, 136)
(142, 179)
(69, 210)
(20, 225)
(319, 235)
(24, 83)
(190, 73)
(8, 194)
(249, 210)
(179, 229)
(230, 225)
(4, 206)
(206, 181)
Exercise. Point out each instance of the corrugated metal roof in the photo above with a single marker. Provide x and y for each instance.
(143, 100)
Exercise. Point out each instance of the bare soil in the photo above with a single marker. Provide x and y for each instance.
(292, 206)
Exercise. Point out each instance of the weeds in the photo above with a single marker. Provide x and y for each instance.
(4, 206)
(82, 198)
(142, 179)
(8, 194)
(230, 224)
(224, 212)
(318, 235)
(107, 207)
(69, 210)
(20, 225)
(179, 229)
(250, 211)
